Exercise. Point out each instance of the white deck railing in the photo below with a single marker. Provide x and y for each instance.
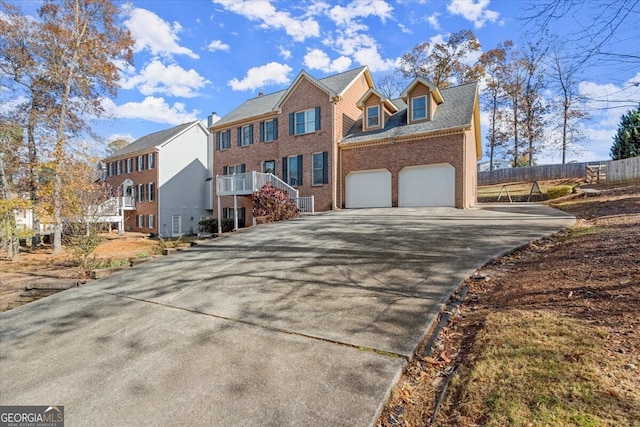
(112, 206)
(305, 205)
(248, 182)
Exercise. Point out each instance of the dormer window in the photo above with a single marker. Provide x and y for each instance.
(418, 108)
(373, 116)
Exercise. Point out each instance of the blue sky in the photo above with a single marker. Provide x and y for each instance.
(195, 57)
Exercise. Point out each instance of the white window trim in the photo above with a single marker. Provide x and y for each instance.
(151, 221)
(151, 185)
(290, 175)
(140, 193)
(273, 131)
(426, 108)
(151, 161)
(309, 125)
(225, 139)
(313, 169)
(140, 163)
(246, 138)
(377, 107)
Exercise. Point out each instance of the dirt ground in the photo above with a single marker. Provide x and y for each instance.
(41, 266)
(590, 273)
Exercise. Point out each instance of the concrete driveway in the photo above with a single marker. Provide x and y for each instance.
(303, 323)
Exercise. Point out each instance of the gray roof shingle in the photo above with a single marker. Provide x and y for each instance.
(267, 103)
(151, 141)
(455, 111)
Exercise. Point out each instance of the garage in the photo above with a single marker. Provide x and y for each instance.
(369, 189)
(427, 185)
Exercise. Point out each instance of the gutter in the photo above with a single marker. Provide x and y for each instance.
(390, 140)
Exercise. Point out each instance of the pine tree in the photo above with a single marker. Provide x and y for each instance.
(626, 142)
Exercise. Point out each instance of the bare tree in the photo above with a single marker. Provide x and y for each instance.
(443, 63)
(115, 145)
(75, 47)
(563, 74)
(494, 63)
(533, 107)
(606, 20)
(390, 86)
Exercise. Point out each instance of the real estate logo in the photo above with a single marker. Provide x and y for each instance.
(31, 416)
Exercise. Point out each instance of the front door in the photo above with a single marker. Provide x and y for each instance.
(176, 226)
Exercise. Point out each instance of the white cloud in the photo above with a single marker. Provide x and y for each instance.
(316, 59)
(271, 73)
(263, 11)
(344, 16)
(153, 33)
(284, 53)
(172, 80)
(433, 21)
(152, 109)
(473, 10)
(353, 38)
(404, 28)
(217, 45)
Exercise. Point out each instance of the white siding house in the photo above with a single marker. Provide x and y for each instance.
(163, 180)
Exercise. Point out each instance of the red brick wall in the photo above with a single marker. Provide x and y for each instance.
(305, 96)
(138, 177)
(394, 157)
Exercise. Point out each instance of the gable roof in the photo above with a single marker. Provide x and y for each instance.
(386, 101)
(457, 111)
(419, 80)
(154, 140)
(266, 104)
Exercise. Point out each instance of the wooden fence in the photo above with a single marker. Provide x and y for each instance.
(614, 170)
(623, 170)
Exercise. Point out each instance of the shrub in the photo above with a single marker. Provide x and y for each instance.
(559, 191)
(271, 204)
(210, 225)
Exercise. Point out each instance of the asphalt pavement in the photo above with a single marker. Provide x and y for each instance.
(308, 322)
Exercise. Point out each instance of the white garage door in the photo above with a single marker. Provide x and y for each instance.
(369, 189)
(427, 185)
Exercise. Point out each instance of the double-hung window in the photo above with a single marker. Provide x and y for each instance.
(151, 191)
(373, 116)
(151, 221)
(320, 163)
(306, 121)
(140, 163)
(292, 170)
(419, 108)
(129, 165)
(119, 167)
(269, 130)
(223, 140)
(245, 136)
(140, 193)
(151, 160)
(140, 221)
(233, 169)
(110, 166)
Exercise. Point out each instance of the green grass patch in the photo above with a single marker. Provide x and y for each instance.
(578, 231)
(538, 368)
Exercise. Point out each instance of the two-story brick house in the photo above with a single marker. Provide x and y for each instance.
(161, 180)
(340, 140)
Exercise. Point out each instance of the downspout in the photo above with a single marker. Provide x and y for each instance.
(464, 169)
(335, 156)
